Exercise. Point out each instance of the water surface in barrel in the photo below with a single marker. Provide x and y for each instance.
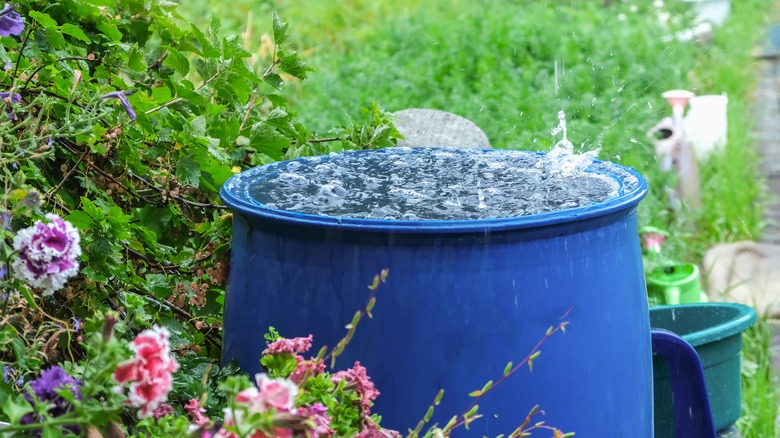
(432, 184)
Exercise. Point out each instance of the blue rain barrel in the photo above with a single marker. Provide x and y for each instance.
(463, 298)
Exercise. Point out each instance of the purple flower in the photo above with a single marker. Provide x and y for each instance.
(76, 324)
(11, 22)
(44, 390)
(48, 254)
(9, 98)
(55, 378)
(7, 371)
(122, 96)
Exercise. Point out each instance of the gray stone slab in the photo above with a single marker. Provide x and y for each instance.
(435, 128)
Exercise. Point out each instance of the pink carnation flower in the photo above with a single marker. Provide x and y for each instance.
(196, 412)
(150, 372)
(292, 346)
(308, 368)
(317, 415)
(48, 254)
(278, 394)
(374, 432)
(357, 379)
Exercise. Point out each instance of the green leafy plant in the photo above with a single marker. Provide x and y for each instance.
(126, 121)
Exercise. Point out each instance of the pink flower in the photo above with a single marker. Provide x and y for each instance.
(278, 394)
(162, 410)
(150, 372)
(357, 379)
(270, 394)
(292, 346)
(317, 415)
(196, 412)
(48, 254)
(374, 432)
(309, 368)
(652, 241)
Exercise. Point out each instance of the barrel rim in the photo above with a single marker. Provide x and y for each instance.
(623, 201)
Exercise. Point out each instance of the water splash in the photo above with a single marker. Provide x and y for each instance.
(561, 161)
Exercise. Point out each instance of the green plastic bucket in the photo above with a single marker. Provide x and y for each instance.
(715, 331)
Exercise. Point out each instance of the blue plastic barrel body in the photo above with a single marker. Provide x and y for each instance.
(463, 298)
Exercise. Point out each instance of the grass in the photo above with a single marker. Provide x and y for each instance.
(759, 392)
(511, 65)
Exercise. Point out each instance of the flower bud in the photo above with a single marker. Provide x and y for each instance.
(108, 326)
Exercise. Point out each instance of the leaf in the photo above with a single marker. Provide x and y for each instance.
(80, 220)
(55, 38)
(198, 126)
(43, 19)
(136, 60)
(101, 250)
(110, 30)
(154, 218)
(273, 80)
(178, 61)
(279, 119)
(293, 65)
(216, 151)
(118, 222)
(438, 398)
(158, 286)
(208, 49)
(507, 369)
(428, 414)
(14, 411)
(51, 431)
(27, 294)
(188, 172)
(92, 210)
(17, 194)
(75, 32)
(280, 29)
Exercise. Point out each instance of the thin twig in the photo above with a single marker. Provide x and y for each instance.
(179, 99)
(41, 67)
(206, 329)
(67, 176)
(321, 140)
(178, 198)
(21, 49)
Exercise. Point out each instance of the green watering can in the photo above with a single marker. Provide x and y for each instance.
(675, 284)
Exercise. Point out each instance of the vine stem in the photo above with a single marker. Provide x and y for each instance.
(550, 331)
